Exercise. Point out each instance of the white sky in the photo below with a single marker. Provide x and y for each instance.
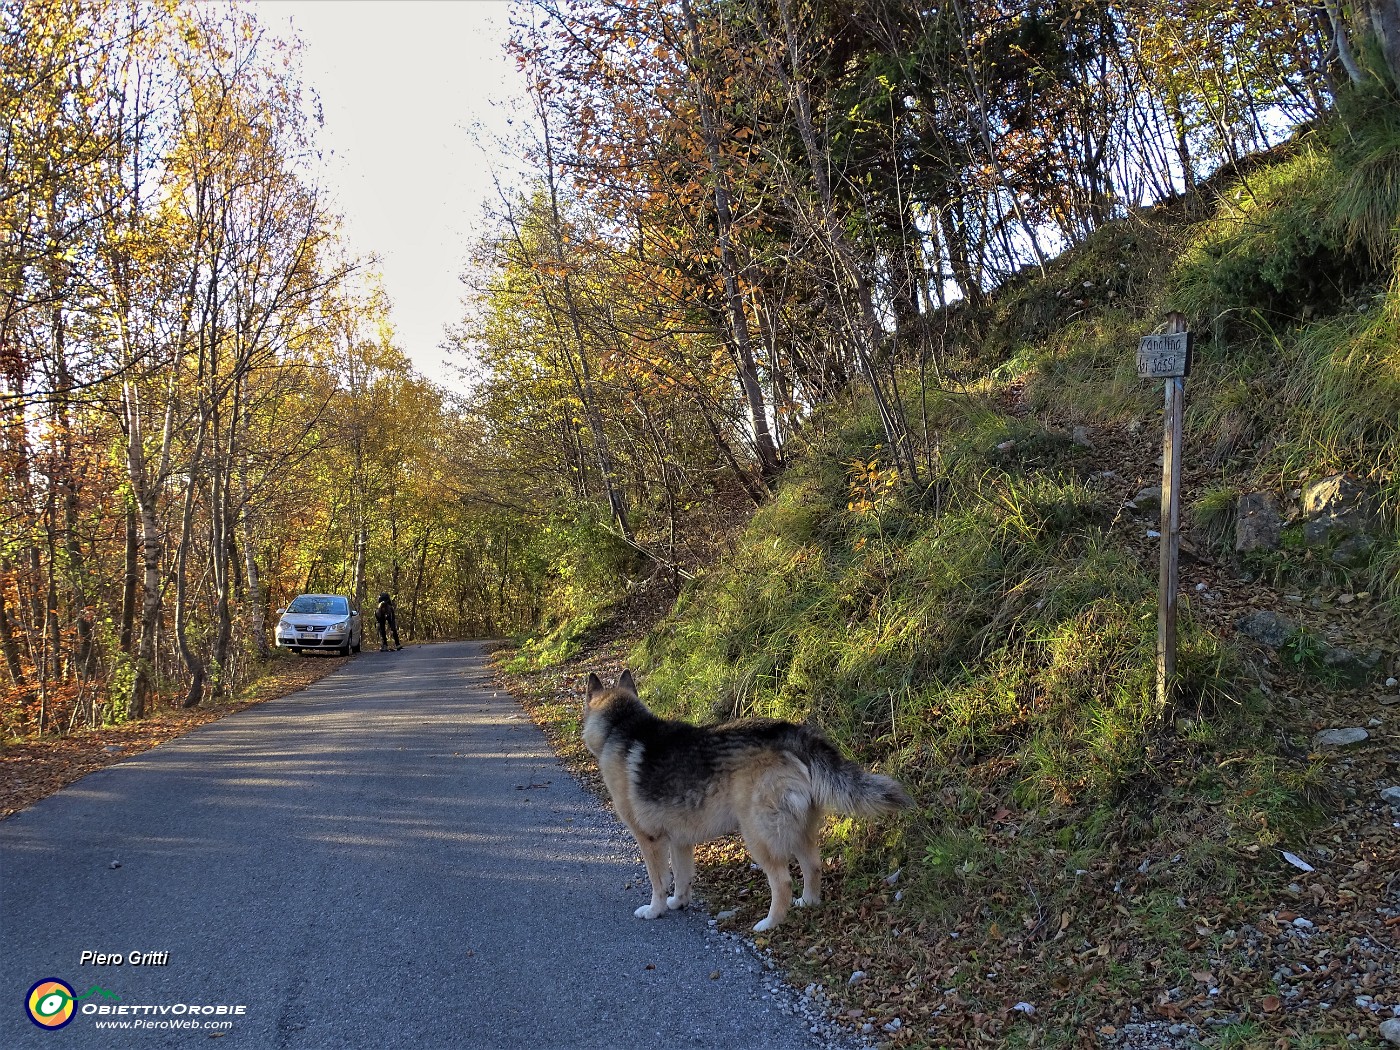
(402, 86)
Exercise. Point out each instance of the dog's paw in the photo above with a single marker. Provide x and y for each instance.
(807, 902)
(764, 925)
(650, 911)
(677, 903)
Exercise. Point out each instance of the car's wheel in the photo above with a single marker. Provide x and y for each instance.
(344, 650)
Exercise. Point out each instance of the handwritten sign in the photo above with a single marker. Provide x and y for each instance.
(1164, 356)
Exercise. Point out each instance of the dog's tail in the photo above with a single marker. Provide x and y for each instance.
(842, 786)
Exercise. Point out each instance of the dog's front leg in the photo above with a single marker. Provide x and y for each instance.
(683, 868)
(655, 851)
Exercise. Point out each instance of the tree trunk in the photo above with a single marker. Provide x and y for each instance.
(359, 585)
(152, 551)
(193, 664)
(581, 372)
(766, 449)
(130, 580)
(1384, 19)
(257, 600)
(7, 633)
(865, 328)
(219, 562)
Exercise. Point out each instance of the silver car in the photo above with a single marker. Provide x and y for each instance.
(319, 621)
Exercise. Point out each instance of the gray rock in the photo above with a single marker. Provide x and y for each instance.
(1342, 661)
(1391, 795)
(1148, 499)
(1390, 1030)
(1258, 524)
(1354, 552)
(1339, 657)
(1338, 508)
(1081, 437)
(1340, 737)
(1267, 628)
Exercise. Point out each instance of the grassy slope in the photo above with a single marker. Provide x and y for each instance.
(990, 641)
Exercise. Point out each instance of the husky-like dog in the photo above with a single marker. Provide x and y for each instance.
(675, 785)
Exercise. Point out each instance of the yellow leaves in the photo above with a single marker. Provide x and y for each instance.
(872, 487)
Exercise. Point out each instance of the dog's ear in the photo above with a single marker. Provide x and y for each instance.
(593, 686)
(625, 682)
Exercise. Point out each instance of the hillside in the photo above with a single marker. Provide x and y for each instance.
(1217, 873)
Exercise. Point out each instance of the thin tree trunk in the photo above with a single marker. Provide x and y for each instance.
(193, 664)
(866, 329)
(1384, 16)
(7, 634)
(582, 373)
(1341, 39)
(768, 459)
(130, 581)
(257, 600)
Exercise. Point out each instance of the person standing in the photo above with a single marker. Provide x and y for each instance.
(388, 622)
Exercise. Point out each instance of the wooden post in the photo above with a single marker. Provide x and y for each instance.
(1171, 525)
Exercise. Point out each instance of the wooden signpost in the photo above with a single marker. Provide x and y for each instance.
(1168, 357)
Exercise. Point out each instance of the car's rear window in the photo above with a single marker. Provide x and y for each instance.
(319, 606)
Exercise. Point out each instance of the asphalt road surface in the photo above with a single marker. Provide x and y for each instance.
(389, 858)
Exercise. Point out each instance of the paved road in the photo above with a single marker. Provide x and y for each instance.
(390, 858)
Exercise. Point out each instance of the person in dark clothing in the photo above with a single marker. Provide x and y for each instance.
(388, 622)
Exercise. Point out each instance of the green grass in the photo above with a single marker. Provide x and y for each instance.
(1087, 370)
(562, 642)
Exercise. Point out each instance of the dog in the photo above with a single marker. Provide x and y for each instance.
(676, 785)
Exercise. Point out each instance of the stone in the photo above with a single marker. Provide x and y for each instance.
(1354, 552)
(1338, 508)
(1391, 795)
(1343, 662)
(1340, 737)
(1339, 657)
(1258, 524)
(1267, 628)
(1147, 499)
(1081, 437)
(1390, 1030)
